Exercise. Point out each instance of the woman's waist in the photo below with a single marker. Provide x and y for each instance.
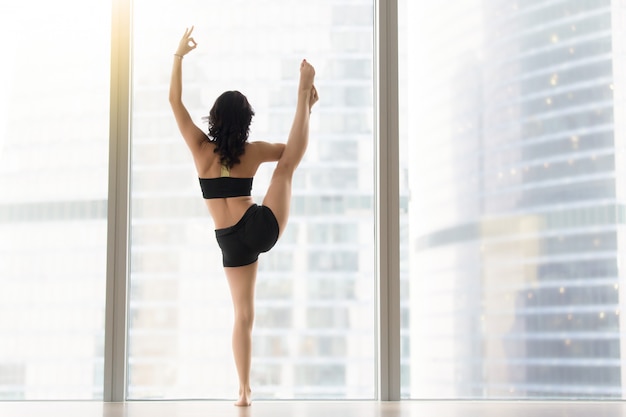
(227, 212)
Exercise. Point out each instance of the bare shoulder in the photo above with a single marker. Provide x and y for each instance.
(266, 151)
(206, 149)
(205, 157)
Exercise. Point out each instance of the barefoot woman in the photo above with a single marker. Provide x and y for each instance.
(226, 163)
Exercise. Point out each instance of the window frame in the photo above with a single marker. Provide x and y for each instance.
(118, 234)
(387, 203)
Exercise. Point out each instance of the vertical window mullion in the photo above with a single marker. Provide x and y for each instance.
(388, 200)
(118, 205)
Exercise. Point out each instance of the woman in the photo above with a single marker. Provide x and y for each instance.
(226, 163)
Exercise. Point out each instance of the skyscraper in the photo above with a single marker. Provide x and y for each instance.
(515, 214)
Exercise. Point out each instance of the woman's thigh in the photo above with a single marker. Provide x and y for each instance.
(278, 197)
(241, 281)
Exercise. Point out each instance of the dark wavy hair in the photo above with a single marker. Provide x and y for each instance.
(229, 126)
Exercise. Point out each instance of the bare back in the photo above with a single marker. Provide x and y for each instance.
(227, 211)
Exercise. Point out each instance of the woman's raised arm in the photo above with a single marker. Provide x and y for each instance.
(192, 134)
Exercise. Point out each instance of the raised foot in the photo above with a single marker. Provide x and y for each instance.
(307, 75)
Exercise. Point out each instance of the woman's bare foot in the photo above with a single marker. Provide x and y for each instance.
(307, 74)
(245, 398)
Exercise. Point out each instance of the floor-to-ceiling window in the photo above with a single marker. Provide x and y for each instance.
(315, 308)
(54, 138)
(514, 215)
(512, 156)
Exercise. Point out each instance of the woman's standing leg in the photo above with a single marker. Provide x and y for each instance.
(241, 281)
(278, 195)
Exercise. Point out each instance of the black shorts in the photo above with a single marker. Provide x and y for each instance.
(256, 232)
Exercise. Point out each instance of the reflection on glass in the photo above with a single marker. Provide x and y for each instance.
(313, 335)
(514, 216)
(54, 105)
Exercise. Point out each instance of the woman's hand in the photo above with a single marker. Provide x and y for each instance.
(186, 44)
(313, 98)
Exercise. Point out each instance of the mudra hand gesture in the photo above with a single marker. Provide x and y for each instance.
(186, 44)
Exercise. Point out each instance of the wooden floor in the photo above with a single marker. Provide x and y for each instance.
(314, 409)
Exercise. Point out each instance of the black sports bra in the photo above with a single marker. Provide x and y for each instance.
(225, 186)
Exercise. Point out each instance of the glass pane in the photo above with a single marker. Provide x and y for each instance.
(314, 325)
(54, 138)
(513, 241)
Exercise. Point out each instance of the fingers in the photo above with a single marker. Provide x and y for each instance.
(187, 34)
(314, 96)
(187, 43)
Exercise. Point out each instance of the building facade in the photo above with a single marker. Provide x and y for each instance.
(516, 263)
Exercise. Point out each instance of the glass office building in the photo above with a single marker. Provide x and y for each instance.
(516, 212)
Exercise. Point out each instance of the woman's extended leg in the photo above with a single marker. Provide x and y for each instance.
(278, 195)
(241, 281)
